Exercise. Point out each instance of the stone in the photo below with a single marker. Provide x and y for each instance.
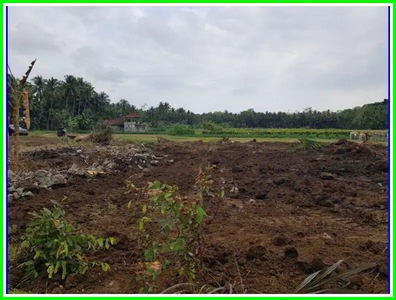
(41, 173)
(327, 176)
(171, 161)
(19, 191)
(111, 165)
(11, 173)
(154, 162)
(28, 194)
(57, 180)
(15, 195)
(146, 170)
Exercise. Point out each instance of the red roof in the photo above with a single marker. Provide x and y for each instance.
(116, 122)
(132, 115)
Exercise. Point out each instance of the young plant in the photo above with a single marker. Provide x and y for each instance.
(204, 182)
(179, 225)
(50, 238)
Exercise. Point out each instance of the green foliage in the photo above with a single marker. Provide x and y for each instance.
(178, 240)
(212, 127)
(50, 240)
(72, 124)
(52, 101)
(180, 130)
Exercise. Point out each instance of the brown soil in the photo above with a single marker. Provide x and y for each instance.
(297, 224)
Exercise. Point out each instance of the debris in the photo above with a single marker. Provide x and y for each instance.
(327, 176)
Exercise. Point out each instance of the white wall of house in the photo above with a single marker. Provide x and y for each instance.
(134, 127)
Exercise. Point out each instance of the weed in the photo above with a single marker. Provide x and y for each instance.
(50, 238)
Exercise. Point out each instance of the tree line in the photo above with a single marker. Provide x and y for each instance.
(76, 104)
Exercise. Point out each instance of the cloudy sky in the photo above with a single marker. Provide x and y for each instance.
(210, 58)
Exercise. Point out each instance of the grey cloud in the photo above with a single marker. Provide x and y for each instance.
(28, 38)
(213, 58)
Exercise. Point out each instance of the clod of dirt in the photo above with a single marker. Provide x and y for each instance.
(279, 181)
(56, 291)
(327, 176)
(241, 261)
(317, 264)
(71, 281)
(280, 241)
(237, 169)
(32, 189)
(291, 252)
(261, 195)
(256, 252)
(121, 240)
(323, 200)
(341, 142)
(381, 166)
(374, 247)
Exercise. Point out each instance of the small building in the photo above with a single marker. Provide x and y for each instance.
(128, 123)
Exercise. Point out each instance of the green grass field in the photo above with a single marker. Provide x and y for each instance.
(150, 137)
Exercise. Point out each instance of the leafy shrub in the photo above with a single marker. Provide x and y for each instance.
(213, 127)
(50, 238)
(72, 124)
(180, 130)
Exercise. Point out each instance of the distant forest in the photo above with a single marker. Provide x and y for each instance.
(75, 104)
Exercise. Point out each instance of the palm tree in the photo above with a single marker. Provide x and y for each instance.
(39, 84)
(70, 86)
(51, 89)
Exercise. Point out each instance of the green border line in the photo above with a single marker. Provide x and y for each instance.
(172, 2)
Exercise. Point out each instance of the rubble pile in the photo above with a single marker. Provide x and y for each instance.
(92, 161)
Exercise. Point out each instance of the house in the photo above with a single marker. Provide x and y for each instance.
(128, 123)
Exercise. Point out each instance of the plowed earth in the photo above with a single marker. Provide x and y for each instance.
(299, 222)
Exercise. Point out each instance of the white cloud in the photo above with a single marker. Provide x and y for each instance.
(211, 58)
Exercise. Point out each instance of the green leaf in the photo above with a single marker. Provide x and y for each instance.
(47, 210)
(25, 244)
(149, 255)
(64, 269)
(37, 255)
(129, 204)
(50, 271)
(144, 208)
(200, 214)
(222, 194)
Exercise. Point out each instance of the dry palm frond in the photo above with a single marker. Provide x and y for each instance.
(314, 282)
(307, 144)
(26, 109)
